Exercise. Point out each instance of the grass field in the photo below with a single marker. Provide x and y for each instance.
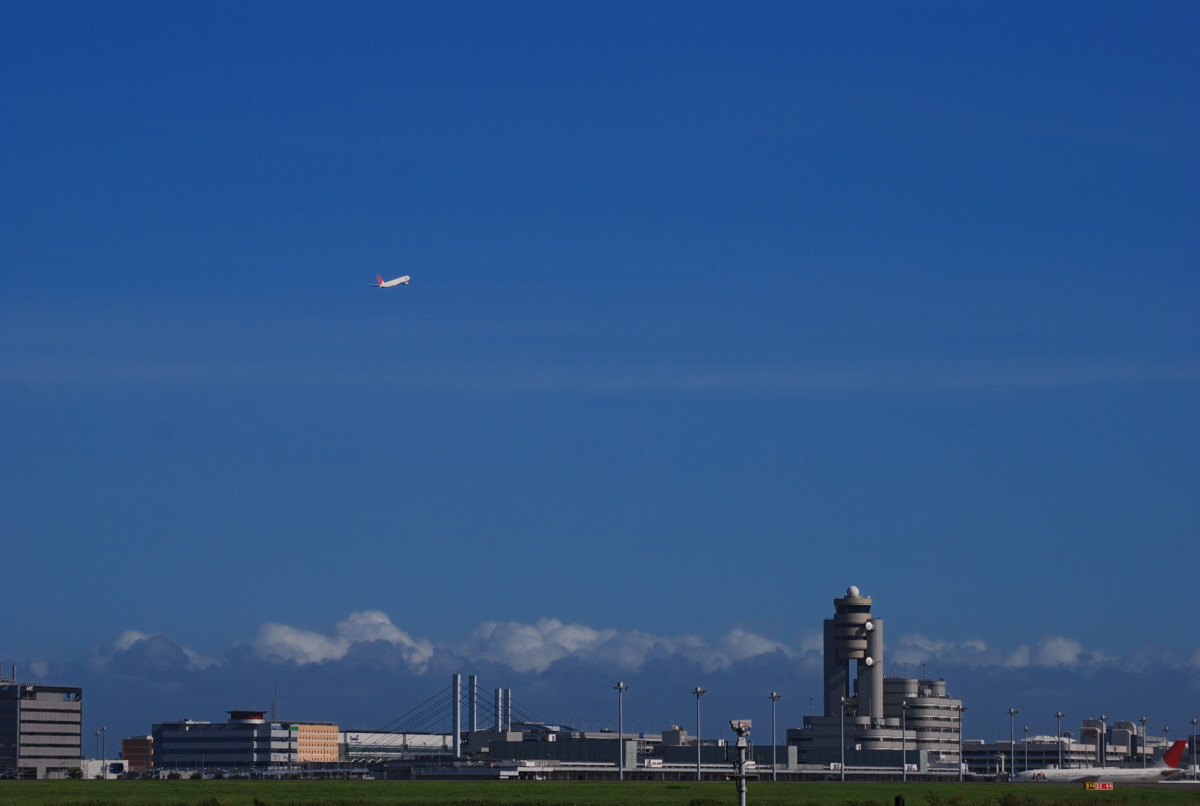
(513, 793)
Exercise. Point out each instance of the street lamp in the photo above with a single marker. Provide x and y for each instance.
(102, 742)
(699, 692)
(903, 741)
(1193, 748)
(621, 689)
(1144, 720)
(843, 701)
(774, 698)
(961, 710)
(1012, 742)
(1026, 747)
(1103, 740)
(1058, 735)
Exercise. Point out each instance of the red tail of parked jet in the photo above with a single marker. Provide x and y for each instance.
(1173, 756)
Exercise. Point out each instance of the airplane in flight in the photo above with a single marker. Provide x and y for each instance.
(389, 283)
(1165, 769)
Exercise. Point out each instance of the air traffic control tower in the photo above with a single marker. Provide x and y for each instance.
(854, 636)
(870, 721)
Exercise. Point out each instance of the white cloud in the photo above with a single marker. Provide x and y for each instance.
(535, 647)
(1018, 658)
(532, 647)
(154, 649)
(1054, 650)
(307, 646)
(125, 640)
(1050, 651)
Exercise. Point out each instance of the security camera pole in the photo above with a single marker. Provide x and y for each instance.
(742, 728)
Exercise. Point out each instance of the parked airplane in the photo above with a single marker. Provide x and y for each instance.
(398, 281)
(1166, 768)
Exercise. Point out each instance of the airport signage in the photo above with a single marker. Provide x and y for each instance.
(1098, 785)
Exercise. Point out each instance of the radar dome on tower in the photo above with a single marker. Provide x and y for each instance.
(852, 590)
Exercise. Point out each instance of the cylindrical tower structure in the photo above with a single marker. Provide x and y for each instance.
(870, 675)
(853, 634)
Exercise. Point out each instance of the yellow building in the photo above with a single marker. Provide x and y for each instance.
(316, 741)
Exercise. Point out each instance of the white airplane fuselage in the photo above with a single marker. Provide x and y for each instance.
(1166, 769)
(1082, 774)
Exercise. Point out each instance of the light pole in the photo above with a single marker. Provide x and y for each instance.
(961, 710)
(1058, 735)
(1103, 740)
(1026, 748)
(842, 722)
(1012, 742)
(699, 692)
(774, 697)
(621, 689)
(1193, 748)
(903, 741)
(1144, 720)
(102, 741)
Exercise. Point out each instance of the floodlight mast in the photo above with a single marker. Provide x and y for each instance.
(843, 702)
(774, 698)
(1012, 743)
(1058, 739)
(621, 688)
(699, 692)
(961, 710)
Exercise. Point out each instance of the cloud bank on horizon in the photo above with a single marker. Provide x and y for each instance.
(362, 670)
(536, 648)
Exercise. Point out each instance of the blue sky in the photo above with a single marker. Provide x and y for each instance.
(716, 309)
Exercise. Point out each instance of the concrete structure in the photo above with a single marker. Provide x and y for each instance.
(870, 720)
(248, 739)
(40, 730)
(854, 636)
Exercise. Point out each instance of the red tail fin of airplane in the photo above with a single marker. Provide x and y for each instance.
(1174, 755)
(380, 277)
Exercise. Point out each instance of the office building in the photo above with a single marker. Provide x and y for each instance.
(40, 729)
(247, 739)
(138, 753)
